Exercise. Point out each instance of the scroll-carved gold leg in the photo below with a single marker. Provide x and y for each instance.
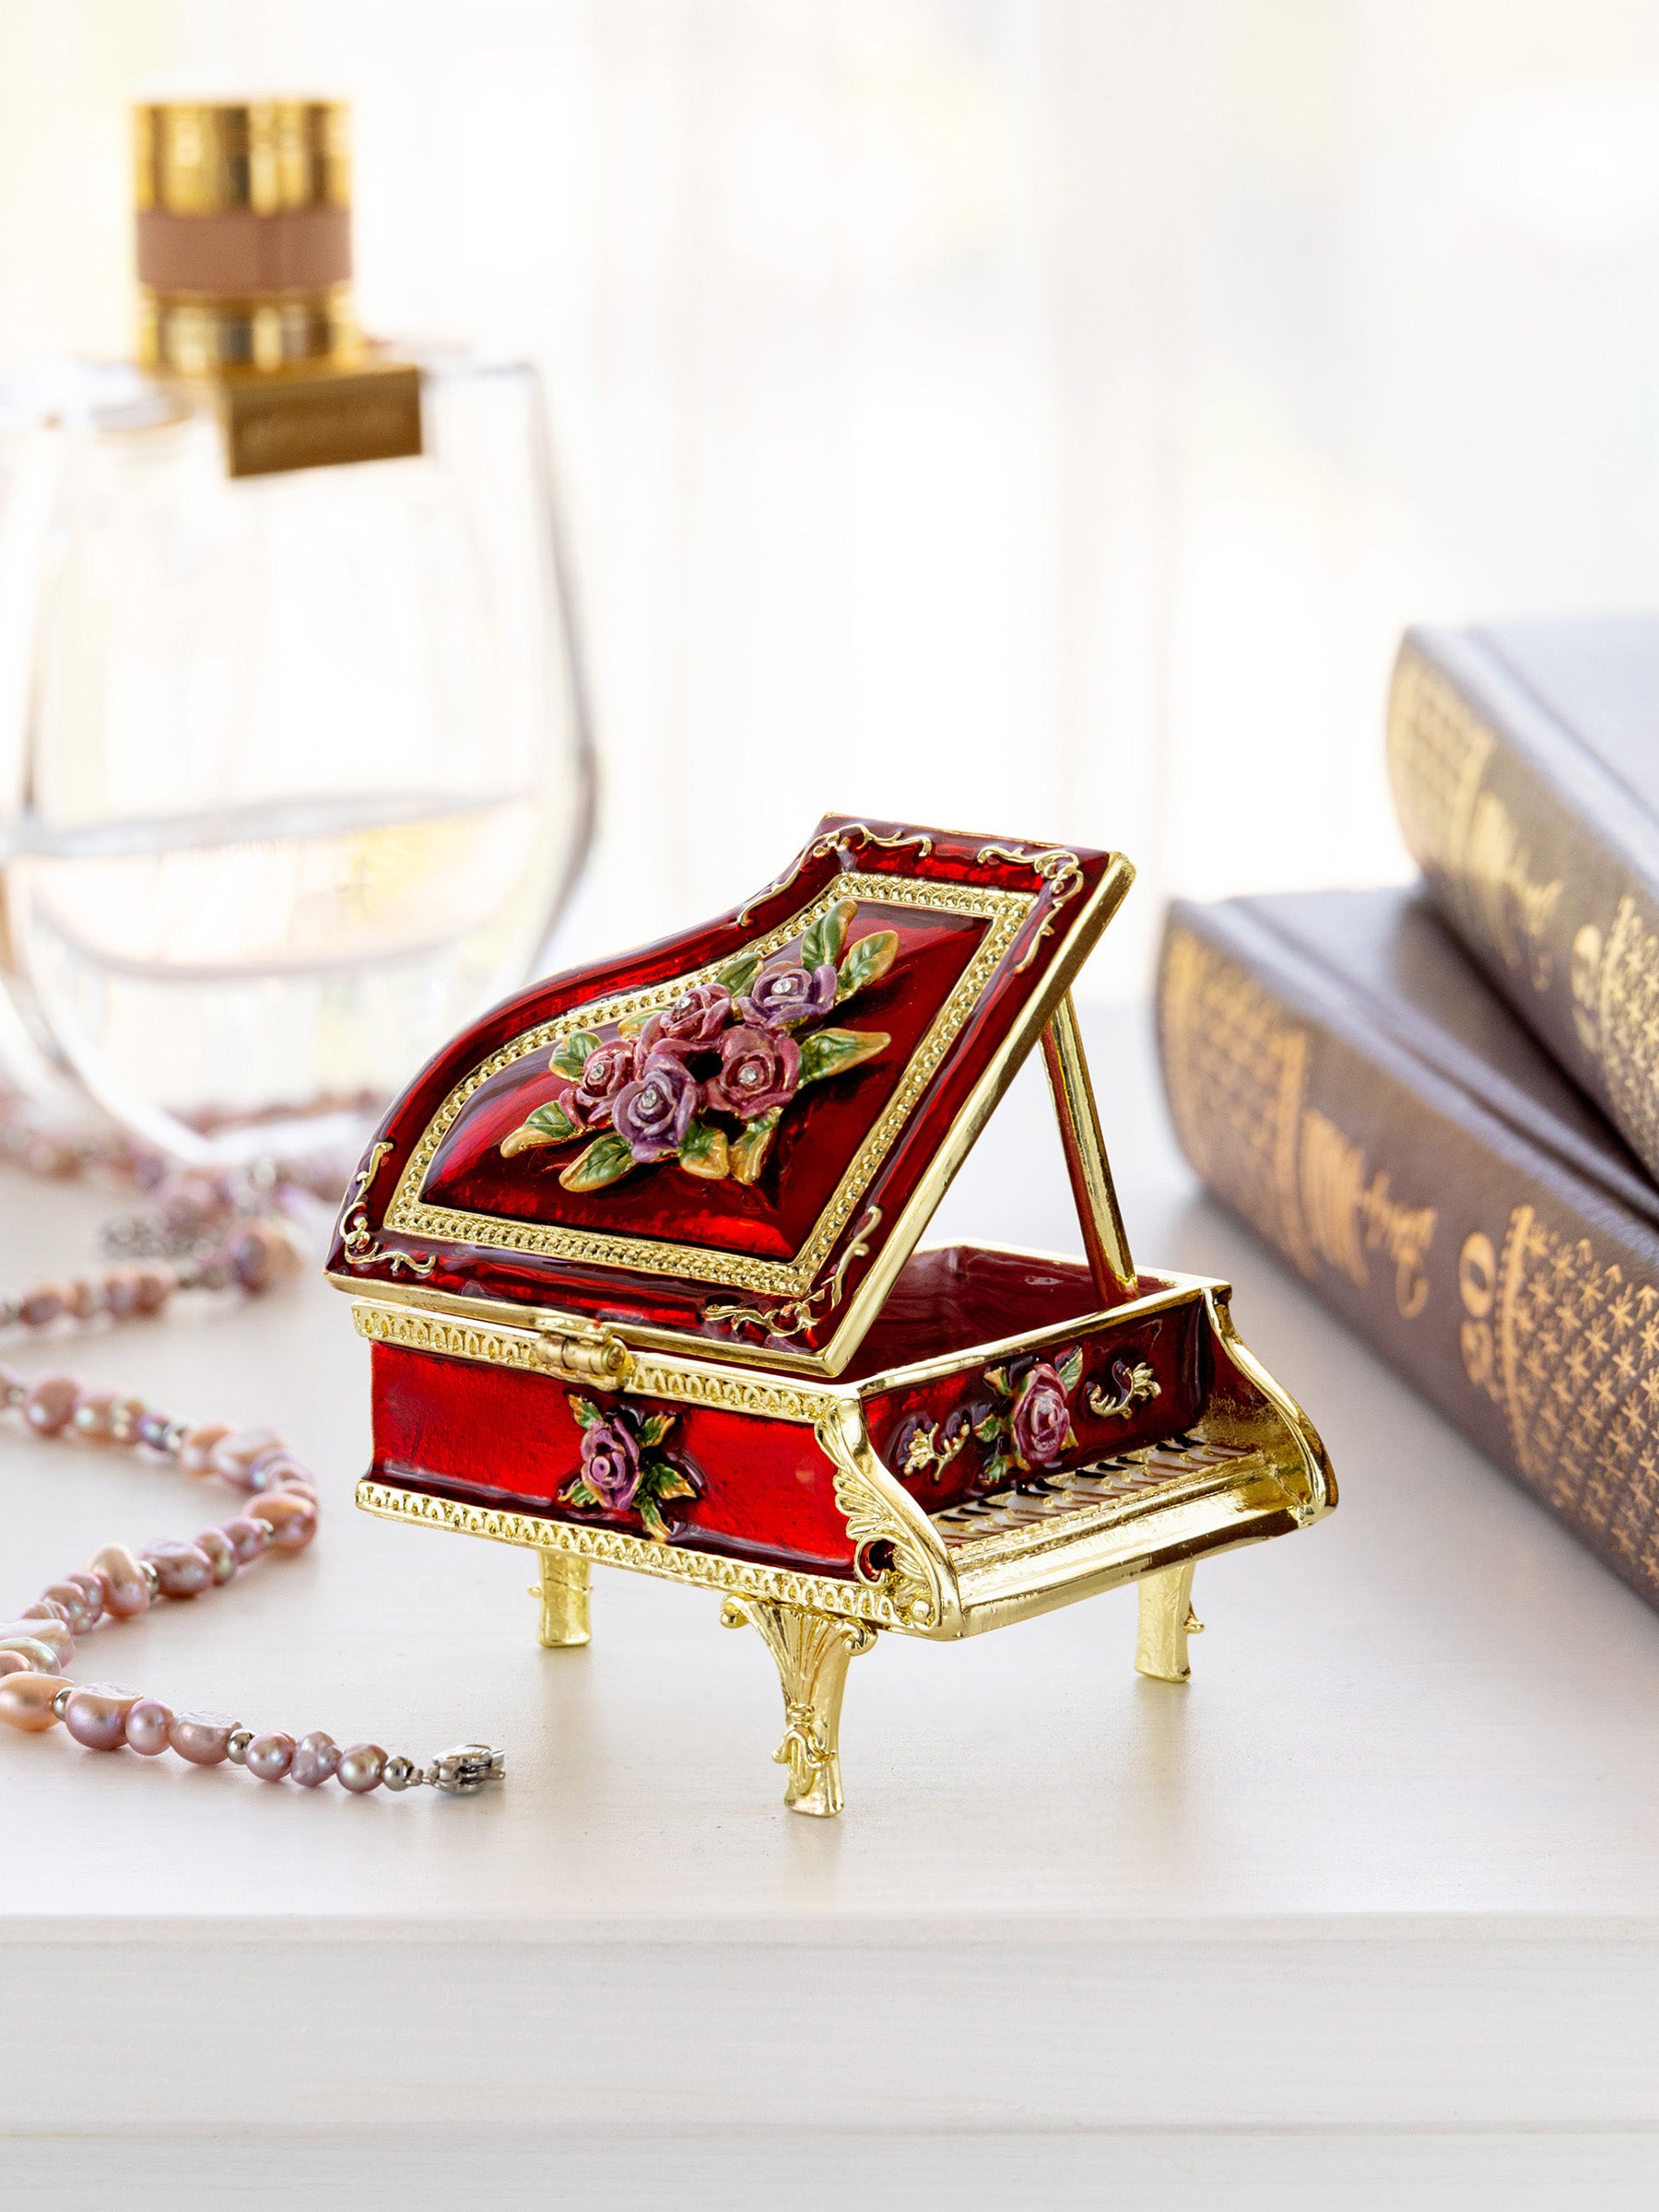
(1167, 1619)
(812, 1650)
(563, 1590)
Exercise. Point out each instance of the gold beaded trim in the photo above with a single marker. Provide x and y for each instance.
(669, 1562)
(418, 1329)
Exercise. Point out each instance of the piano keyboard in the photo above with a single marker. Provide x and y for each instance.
(1047, 1498)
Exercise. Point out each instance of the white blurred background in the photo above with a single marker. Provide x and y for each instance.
(1034, 416)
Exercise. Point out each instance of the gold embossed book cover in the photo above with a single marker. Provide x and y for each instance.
(1524, 760)
(1339, 1075)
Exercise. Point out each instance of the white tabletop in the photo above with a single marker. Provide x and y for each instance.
(1388, 1866)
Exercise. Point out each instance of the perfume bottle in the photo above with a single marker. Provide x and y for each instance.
(298, 776)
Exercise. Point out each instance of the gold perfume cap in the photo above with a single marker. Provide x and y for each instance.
(243, 233)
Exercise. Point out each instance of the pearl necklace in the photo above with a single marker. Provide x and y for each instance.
(119, 1584)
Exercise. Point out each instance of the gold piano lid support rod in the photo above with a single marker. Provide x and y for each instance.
(1103, 1237)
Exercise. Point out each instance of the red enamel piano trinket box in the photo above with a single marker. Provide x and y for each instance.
(638, 1258)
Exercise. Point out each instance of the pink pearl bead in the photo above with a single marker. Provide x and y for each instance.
(293, 1520)
(44, 1303)
(48, 1609)
(235, 1452)
(219, 1550)
(316, 1759)
(94, 1416)
(91, 1590)
(48, 1634)
(247, 1538)
(248, 1256)
(270, 1757)
(154, 1286)
(195, 1454)
(26, 1701)
(125, 1417)
(81, 1609)
(125, 1592)
(149, 1727)
(271, 1470)
(96, 1717)
(201, 1737)
(121, 1292)
(184, 1569)
(362, 1768)
(49, 1404)
(14, 1663)
(86, 1298)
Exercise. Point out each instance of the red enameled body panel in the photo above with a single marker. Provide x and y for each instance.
(993, 1422)
(763, 1489)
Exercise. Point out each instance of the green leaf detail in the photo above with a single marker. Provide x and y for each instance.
(822, 944)
(588, 1415)
(747, 1154)
(870, 958)
(656, 1528)
(1070, 1368)
(998, 1379)
(740, 974)
(579, 1493)
(675, 1485)
(990, 1427)
(833, 1052)
(554, 1123)
(996, 1466)
(571, 1055)
(654, 1427)
(606, 1162)
(704, 1151)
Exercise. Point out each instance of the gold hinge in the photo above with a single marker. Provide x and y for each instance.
(594, 1354)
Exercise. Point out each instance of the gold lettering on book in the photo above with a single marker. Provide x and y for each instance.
(1237, 1074)
(1584, 976)
(1478, 1287)
(1515, 910)
(1439, 752)
(1348, 1215)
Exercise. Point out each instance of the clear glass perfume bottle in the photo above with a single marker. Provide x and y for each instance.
(300, 775)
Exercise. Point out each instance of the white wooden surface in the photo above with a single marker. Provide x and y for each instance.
(1369, 1914)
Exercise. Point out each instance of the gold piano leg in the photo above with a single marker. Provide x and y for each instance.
(812, 1650)
(563, 1590)
(1167, 1619)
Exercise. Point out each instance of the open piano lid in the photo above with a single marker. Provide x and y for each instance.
(784, 1098)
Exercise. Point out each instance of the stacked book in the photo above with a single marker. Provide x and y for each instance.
(1441, 1105)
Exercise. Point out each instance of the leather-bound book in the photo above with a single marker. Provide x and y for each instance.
(1526, 767)
(1343, 1078)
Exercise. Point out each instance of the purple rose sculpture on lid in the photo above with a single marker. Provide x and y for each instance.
(734, 1048)
(643, 1260)
(652, 1113)
(791, 993)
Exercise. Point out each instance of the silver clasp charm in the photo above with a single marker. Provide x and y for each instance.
(465, 1771)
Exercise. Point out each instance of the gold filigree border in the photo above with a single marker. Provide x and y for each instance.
(669, 1562)
(418, 1329)
(410, 1215)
